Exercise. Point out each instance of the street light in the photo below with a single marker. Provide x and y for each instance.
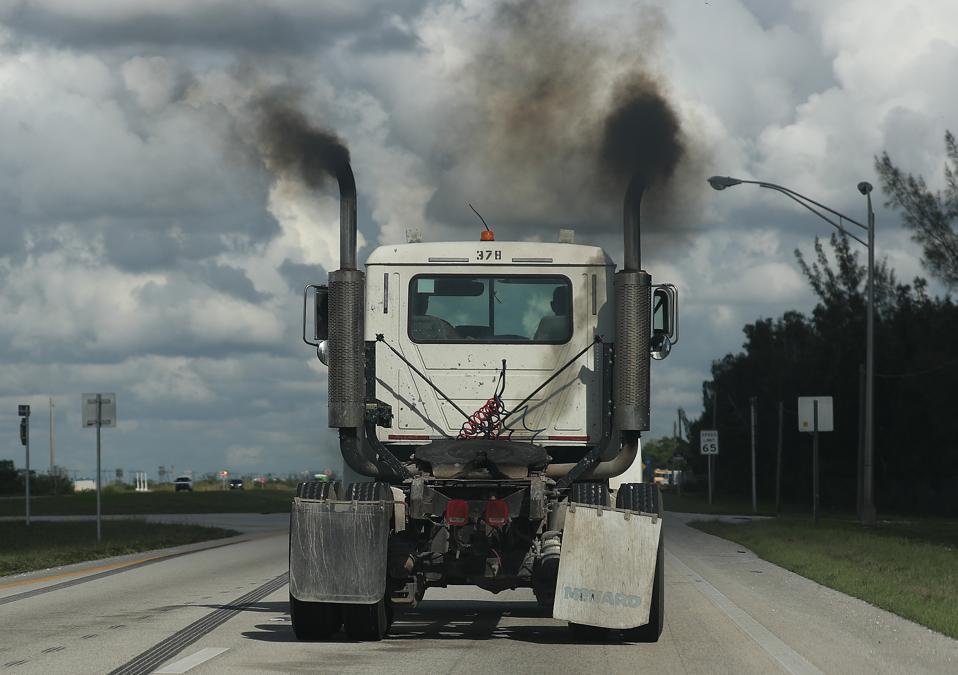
(868, 515)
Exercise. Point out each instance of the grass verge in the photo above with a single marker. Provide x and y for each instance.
(84, 503)
(908, 567)
(699, 503)
(44, 544)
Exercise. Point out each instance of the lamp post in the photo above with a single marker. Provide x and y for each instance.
(868, 515)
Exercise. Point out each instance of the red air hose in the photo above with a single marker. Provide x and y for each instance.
(485, 422)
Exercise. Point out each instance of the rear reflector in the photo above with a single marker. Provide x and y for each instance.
(568, 438)
(497, 512)
(408, 437)
(457, 512)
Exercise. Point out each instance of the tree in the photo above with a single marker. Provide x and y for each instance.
(796, 355)
(658, 453)
(931, 216)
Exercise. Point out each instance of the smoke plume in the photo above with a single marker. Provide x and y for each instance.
(292, 146)
(641, 135)
(560, 114)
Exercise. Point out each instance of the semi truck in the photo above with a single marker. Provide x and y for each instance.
(490, 395)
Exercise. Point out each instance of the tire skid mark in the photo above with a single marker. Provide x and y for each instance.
(163, 651)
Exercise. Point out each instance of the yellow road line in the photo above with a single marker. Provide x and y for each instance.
(119, 565)
(76, 573)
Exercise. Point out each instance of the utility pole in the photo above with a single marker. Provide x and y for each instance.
(53, 441)
(99, 475)
(869, 515)
(860, 464)
(778, 460)
(753, 402)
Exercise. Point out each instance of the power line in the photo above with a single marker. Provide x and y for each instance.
(919, 373)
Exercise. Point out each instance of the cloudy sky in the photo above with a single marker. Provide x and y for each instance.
(147, 249)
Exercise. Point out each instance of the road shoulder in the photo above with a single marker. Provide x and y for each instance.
(808, 616)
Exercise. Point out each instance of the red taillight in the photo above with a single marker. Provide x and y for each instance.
(457, 512)
(497, 512)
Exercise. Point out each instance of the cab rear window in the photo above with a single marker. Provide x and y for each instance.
(490, 309)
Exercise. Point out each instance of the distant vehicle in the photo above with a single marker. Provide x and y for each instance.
(663, 477)
(236, 484)
(183, 483)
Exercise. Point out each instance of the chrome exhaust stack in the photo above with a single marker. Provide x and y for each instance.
(633, 315)
(347, 287)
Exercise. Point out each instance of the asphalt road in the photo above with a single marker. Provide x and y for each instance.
(224, 610)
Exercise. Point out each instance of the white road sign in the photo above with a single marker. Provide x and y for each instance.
(806, 413)
(708, 442)
(107, 410)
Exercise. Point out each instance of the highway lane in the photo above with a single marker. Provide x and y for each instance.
(727, 611)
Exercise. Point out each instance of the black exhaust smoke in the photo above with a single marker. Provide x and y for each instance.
(641, 145)
(562, 137)
(291, 145)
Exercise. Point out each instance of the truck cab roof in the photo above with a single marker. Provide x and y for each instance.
(494, 252)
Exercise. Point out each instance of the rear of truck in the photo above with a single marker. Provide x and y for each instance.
(492, 395)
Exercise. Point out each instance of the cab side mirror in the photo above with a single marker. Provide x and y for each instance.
(665, 322)
(320, 329)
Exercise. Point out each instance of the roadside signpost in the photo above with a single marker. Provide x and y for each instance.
(99, 410)
(814, 415)
(709, 445)
(753, 407)
(24, 412)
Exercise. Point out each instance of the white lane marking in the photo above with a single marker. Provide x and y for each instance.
(787, 657)
(192, 661)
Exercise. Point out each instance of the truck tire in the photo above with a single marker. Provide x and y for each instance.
(368, 622)
(646, 497)
(369, 492)
(595, 494)
(314, 620)
(589, 493)
(317, 489)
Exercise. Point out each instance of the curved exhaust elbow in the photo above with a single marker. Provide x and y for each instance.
(352, 447)
(616, 466)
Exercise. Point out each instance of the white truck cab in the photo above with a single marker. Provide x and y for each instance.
(464, 314)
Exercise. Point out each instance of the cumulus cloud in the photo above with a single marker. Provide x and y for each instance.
(147, 248)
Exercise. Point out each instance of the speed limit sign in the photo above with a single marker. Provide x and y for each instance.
(708, 442)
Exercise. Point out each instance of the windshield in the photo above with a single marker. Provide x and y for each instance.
(491, 309)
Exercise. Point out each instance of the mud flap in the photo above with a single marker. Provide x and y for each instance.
(337, 551)
(607, 567)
